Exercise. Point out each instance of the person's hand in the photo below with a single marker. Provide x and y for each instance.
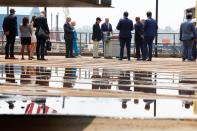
(7, 33)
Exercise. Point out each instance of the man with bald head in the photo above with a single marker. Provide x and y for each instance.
(68, 36)
(107, 30)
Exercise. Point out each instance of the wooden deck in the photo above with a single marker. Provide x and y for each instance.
(158, 64)
(170, 68)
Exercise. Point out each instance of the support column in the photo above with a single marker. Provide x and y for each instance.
(156, 38)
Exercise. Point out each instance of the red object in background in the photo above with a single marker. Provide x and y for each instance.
(34, 108)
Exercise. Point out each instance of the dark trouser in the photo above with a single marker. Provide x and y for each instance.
(139, 47)
(69, 47)
(124, 41)
(9, 47)
(194, 52)
(40, 48)
(187, 49)
(148, 47)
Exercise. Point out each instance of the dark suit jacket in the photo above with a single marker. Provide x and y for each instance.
(68, 32)
(125, 26)
(41, 22)
(105, 28)
(10, 24)
(138, 31)
(150, 27)
(97, 34)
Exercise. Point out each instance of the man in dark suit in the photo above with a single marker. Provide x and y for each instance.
(106, 29)
(125, 26)
(138, 37)
(96, 37)
(41, 23)
(150, 31)
(10, 30)
(68, 36)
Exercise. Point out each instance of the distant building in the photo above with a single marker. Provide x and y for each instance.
(34, 12)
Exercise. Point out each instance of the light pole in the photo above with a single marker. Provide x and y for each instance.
(156, 38)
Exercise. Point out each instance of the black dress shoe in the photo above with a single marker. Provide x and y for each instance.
(149, 60)
(138, 59)
(13, 57)
(144, 59)
(7, 57)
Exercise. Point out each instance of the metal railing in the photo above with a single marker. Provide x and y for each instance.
(168, 43)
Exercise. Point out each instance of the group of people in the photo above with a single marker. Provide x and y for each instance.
(33, 35)
(103, 33)
(70, 36)
(145, 32)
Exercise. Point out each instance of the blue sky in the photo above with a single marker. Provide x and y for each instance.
(171, 12)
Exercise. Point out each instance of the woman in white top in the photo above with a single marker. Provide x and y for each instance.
(33, 38)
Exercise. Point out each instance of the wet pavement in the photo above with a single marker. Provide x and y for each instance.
(161, 83)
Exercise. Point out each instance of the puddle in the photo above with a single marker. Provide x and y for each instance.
(162, 83)
(104, 107)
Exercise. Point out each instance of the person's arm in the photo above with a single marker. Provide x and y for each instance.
(131, 26)
(119, 25)
(95, 32)
(193, 30)
(16, 30)
(157, 26)
(111, 29)
(145, 25)
(180, 37)
(30, 29)
(102, 27)
(35, 23)
(5, 26)
(46, 26)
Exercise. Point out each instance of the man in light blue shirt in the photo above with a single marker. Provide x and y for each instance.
(187, 36)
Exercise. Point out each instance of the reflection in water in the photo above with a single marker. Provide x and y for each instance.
(124, 84)
(25, 75)
(98, 79)
(144, 78)
(11, 104)
(42, 76)
(105, 107)
(187, 103)
(38, 106)
(69, 76)
(9, 71)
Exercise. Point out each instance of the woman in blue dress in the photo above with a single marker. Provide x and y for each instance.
(75, 39)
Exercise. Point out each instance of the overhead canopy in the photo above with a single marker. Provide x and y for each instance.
(56, 3)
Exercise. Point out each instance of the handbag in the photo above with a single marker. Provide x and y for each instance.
(48, 45)
(42, 33)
